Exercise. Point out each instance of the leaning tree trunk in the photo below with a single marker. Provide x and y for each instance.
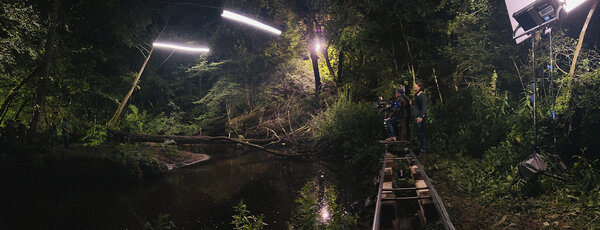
(115, 117)
(13, 93)
(328, 62)
(44, 81)
(20, 109)
(576, 54)
(340, 66)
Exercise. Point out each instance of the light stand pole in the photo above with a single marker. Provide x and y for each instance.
(533, 88)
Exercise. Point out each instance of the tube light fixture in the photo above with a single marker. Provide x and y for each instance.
(249, 21)
(184, 48)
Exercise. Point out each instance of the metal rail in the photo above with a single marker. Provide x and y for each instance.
(379, 193)
(437, 201)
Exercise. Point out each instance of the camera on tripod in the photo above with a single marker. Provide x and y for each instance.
(382, 105)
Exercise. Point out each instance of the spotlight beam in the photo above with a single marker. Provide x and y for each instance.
(249, 21)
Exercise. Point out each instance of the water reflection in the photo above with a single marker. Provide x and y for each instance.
(288, 193)
(319, 207)
(197, 197)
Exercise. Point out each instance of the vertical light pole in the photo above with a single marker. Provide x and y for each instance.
(115, 117)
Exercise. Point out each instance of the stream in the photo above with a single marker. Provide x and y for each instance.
(200, 196)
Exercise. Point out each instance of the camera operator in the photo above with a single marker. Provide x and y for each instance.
(396, 122)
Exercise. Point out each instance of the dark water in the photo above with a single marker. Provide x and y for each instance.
(201, 196)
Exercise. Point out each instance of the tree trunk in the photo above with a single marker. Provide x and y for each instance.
(576, 54)
(248, 89)
(438, 87)
(340, 66)
(13, 94)
(411, 65)
(44, 81)
(115, 117)
(20, 109)
(130, 137)
(326, 56)
(315, 63)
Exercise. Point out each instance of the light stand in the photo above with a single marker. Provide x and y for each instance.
(533, 88)
(527, 19)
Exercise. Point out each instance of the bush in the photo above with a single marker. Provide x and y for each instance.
(350, 128)
(244, 220)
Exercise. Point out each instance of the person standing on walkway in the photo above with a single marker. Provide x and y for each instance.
(420, 112)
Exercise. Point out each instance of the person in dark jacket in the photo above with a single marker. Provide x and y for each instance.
(419, 112)
(396, 121)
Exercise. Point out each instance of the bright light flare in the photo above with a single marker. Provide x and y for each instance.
(318, 45)
(184, 48)
(249, 21)
(572, 4)
(325, 214)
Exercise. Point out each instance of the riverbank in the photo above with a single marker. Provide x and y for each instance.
(106, 164)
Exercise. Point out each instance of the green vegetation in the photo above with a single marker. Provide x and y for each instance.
(71, 60)
(244, 220)
(162, 222)
(328, 214)
(351, 128)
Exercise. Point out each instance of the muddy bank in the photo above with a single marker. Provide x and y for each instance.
(187, 159)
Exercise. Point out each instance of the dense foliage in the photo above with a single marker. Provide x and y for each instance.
(76, 60)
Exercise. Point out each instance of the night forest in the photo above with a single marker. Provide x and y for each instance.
(100, 128)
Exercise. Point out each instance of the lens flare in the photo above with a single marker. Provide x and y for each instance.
(325, 214)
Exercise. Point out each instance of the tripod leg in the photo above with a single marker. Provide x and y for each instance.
(513, 183)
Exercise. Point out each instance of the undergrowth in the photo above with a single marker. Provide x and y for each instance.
(351, 128)
(475, 156)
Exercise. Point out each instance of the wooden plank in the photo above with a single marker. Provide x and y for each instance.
(415, 173)
(423, 193)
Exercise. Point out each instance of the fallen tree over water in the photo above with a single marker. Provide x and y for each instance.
(254, 143)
